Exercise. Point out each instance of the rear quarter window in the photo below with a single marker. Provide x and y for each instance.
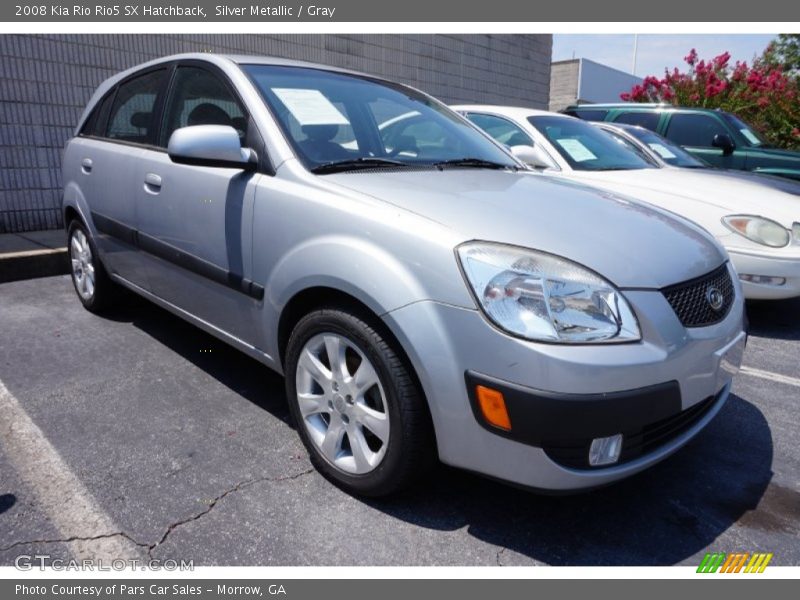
(95, 125)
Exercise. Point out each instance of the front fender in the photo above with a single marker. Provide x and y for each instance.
(358, 267)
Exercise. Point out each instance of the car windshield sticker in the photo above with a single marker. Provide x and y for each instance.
(751, 137)
(576, 149)
(661, 150)
(310, 107)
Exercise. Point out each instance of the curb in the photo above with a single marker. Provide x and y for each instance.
(30, 264)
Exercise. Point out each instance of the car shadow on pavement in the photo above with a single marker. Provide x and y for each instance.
(234, 369)
(659, 517)
(774, 318)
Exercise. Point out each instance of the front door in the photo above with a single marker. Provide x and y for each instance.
(196, 221)
(696, 131)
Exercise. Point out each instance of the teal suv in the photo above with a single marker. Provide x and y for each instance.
(718, 137)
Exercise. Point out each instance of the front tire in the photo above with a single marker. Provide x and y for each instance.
(95, 289)
(358, 410)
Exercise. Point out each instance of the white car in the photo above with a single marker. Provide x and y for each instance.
(758, 225)
(666, 153)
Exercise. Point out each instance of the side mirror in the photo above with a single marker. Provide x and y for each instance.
(724, 142)
(210, 146)
(532, 156)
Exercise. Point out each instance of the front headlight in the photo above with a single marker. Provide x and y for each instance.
(758, 229)
(545, 298)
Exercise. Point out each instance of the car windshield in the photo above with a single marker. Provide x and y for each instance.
(585, 147)
(753, 138)
(670, 153)
(337, 121)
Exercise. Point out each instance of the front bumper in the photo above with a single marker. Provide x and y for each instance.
(760, 264)
(445, 342)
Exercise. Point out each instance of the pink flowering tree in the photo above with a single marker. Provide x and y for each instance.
(763, 94)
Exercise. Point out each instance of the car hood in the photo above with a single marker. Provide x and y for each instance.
(629, 243)
(705, 189)
(773, 181)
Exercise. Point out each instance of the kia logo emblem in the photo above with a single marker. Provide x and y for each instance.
(715, 298)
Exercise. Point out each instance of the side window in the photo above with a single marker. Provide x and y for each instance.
(693, 129)
(96, 123)
(201, 98)
(648, 120)
(502, 130)
(588, 114)
(132, 117)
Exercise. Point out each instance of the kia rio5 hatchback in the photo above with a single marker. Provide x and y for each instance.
(421, 296)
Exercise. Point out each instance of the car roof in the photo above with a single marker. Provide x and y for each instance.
(622, 126)
(637, 106)
(238, 59)
(219, 59)
(518, 112)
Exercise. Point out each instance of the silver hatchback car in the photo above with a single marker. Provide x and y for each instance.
(421, 296)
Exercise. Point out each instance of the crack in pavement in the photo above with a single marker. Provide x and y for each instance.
(149, 548)
(213, 503)
(75, 538)
(499, 554)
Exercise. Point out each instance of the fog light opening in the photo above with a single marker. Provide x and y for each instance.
(493, 407)
(605, 450)
(762, 279)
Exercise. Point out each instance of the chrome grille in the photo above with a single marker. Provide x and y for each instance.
(690, 299)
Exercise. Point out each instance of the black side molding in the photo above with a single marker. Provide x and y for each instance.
(176, 256)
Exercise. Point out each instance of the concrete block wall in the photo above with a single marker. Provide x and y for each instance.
(564, 83)
(45, 81)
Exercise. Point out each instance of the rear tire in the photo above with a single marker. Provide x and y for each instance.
(94, 287)
(357, 408)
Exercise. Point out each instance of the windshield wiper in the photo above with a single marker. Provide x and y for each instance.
(476, 163)
(364, 162)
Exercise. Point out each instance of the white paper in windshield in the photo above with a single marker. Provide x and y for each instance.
(751, 137)
(661, 150)
(310, 107)
(576, 149)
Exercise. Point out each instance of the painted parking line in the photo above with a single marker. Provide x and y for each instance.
(769, 375)
(58, 492)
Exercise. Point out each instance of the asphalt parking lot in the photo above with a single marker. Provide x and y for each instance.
(138, 433)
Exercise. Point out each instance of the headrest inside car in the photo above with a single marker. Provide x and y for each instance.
(141, 120)
(321, 133)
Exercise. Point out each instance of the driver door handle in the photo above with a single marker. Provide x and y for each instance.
(152, 183)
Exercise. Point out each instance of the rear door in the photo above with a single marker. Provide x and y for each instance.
(196, 221)
(120, 132)
(696, 131)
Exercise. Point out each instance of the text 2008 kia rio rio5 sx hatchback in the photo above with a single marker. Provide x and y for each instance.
(421, 297)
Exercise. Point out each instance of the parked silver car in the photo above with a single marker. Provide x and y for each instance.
(420, 295)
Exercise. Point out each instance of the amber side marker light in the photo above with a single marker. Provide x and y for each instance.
(493, 407)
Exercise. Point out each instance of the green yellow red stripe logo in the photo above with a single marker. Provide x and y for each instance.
(734, 562)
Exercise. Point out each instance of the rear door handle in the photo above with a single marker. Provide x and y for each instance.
(152, 183)
(86, 165)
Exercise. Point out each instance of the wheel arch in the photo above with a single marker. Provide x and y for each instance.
(319, 297)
